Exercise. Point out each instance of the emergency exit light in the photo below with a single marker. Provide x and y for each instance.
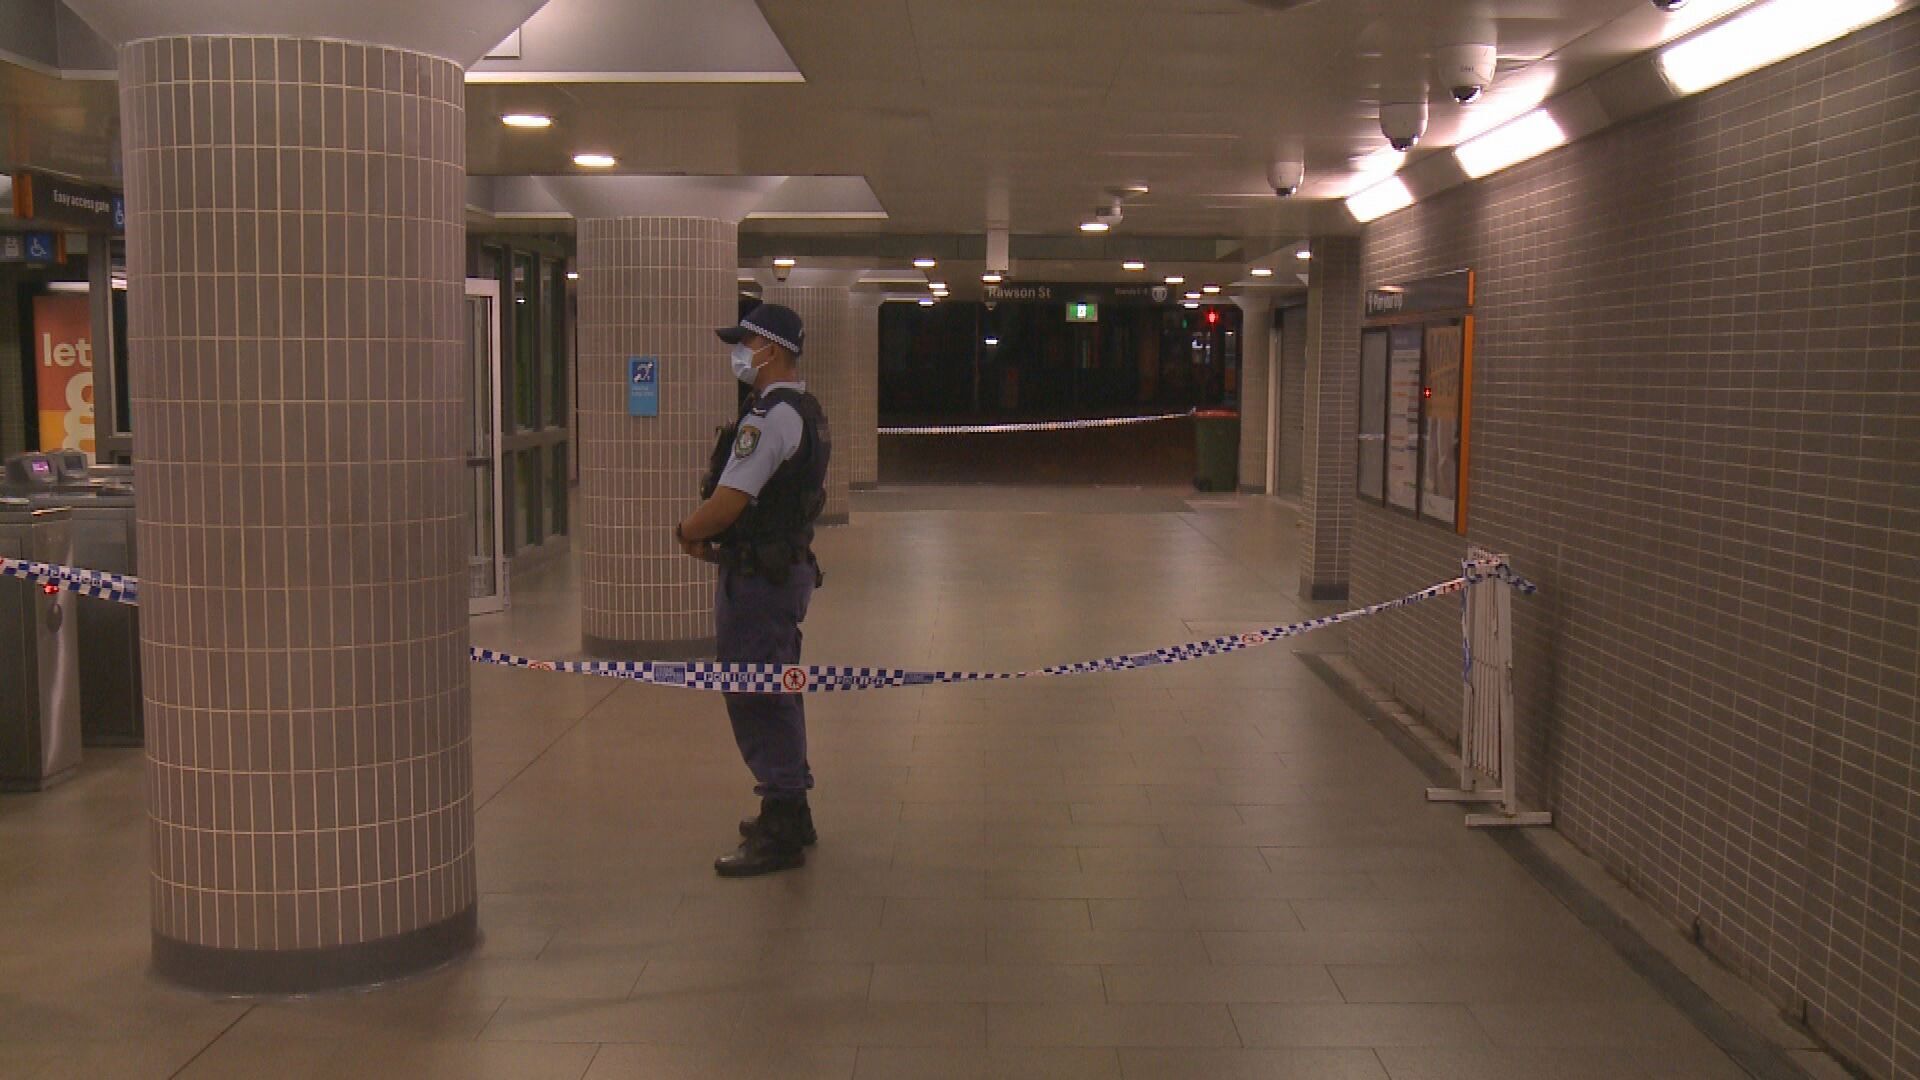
(1078, 312)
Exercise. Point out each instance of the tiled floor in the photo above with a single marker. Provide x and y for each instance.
(1214, 870)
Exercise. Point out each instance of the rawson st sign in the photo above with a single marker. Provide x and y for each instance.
(1048, 292)
(45, 198)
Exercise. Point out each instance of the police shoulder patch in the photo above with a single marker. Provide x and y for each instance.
(747, 442)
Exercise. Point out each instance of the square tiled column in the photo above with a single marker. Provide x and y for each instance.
(295, 233)
(826, 310)
(656, 287)
(862, 429)
(1331, 416)
(1256, 326)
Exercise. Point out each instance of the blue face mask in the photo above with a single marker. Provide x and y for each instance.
(744, 368)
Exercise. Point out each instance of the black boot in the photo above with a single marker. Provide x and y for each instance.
(775, 845)
(808, 837)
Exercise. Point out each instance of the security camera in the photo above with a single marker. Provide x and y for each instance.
(1108, 213)
(1403, 122)
(1669, 5)
(1465, 70)
(780, 272)
(1285, 177)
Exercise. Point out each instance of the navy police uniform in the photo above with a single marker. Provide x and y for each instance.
(776, 453)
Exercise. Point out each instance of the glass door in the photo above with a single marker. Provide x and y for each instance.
(486, 554)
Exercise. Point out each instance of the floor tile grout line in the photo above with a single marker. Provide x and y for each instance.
(547, 749)
(595, 1056)
(224, 1032)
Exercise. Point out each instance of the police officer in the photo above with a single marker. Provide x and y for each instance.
(765, 486)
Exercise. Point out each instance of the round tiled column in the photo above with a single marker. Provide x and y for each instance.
(862, 437)
(295, 236)
(650, 286)
(826, 310)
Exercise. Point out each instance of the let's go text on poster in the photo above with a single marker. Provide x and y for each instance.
(63, 371)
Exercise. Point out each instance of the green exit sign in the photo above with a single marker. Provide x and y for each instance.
(1083, 312)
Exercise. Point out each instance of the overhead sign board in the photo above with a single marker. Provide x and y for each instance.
(1049, 292)
(1447, 292)
(50, 199)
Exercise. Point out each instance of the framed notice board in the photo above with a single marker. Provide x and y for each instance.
(1416, 378)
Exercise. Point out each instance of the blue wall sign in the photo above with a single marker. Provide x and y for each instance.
(643, 386)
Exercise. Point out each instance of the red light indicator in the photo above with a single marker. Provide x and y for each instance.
(50, 590)
(1213, 318)
(1426, 391)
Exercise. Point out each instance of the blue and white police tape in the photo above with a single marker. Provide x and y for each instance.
(760, 678)
(1042, 425)
(95, 583)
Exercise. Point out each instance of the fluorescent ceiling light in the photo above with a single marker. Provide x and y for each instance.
(595, 161)
(1764, 35)
(1509, 144)
(573, 275)
(990, 278)
(531, 121)
(1193, 296)
(1303, 253)
(785, 263)
(926, 301)
(1176, 279)
(1133, 264)
(1261, 271)
(1191, 304)
(925, 264)
(1209, 289)
(1094, 226)
(993, 341)
(937, 286)
(1380, 200)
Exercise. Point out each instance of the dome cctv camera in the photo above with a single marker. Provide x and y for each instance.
(780, 272)
(1403, 122)
(1465, 70)
(1285, 177)
(1669, 5)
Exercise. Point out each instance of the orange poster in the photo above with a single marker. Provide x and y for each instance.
(63, 370)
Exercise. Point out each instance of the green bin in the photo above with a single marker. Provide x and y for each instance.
(1216, 449)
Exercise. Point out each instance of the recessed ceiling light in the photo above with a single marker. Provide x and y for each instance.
(531, 121)
(1380, 200)
(1261, 271)
(1094, 226)
(941, 294)
(925, 264)
(1133, 264)
(595, 161)
(1193, 296)
(1191, 304)
(993, 341)
(785, 263)
(573, 275)
(1303, 253)
(926, 301)
(991, 278)
(937, 286)
(1176, 279)
(1530, 136)
(1209, 289)
(1762, 35)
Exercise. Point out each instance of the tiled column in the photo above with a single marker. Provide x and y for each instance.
(1290, 368)
(650, 286)
(1256, 326)
(295, 235)
(827, 312)
(862, 428)
(1331, 417)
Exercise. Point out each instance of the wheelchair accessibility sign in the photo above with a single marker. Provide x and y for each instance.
(643, 386)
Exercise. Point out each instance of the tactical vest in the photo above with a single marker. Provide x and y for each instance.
(775, 532)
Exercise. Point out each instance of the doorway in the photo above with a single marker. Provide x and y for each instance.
(486, 548)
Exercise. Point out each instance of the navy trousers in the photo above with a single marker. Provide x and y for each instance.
(759, 621)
